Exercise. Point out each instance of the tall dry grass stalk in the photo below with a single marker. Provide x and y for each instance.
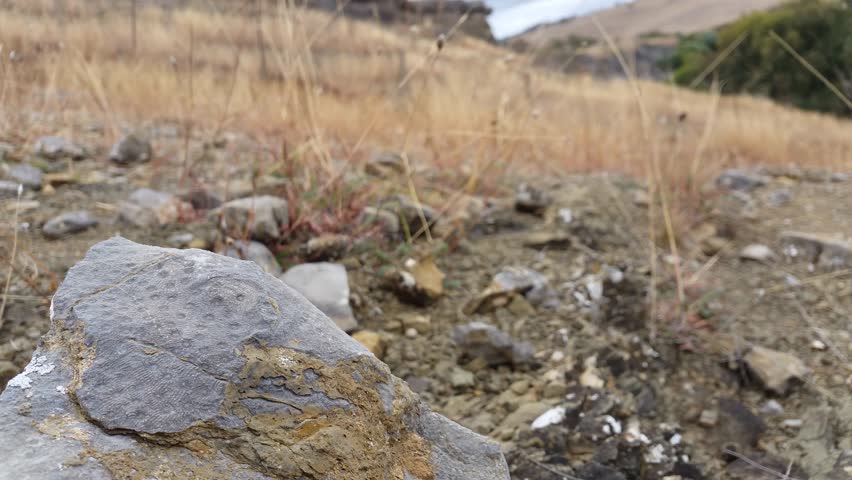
(12, 255)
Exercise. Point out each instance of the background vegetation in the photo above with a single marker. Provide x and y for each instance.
(818, 30)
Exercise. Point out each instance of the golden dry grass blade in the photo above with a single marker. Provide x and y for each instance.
(656, 186)
(12, 256)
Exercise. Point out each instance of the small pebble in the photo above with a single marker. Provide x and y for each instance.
(772, 407)
(792, 423)
(708, 418)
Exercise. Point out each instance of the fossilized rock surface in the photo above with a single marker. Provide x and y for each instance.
(201, 366)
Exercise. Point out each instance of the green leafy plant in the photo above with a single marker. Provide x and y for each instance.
(817, 30)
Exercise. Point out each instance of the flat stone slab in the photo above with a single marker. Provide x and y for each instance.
(206, 367)
(69, 223)
(828, 251)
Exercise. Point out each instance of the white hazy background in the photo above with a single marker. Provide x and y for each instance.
(513, 17)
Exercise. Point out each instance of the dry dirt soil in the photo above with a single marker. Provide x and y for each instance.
(642, 397)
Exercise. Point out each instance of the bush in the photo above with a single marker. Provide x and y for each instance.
(819, 30)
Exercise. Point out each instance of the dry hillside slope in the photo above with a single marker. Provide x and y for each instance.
(652, 16)
(334, 89)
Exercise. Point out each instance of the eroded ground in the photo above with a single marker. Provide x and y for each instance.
(611, 392)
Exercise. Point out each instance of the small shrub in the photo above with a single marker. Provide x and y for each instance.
(819, 30)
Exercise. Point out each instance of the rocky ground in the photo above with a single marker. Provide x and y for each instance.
(526, 317)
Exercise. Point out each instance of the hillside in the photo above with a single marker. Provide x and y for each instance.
(334, 88)
(626, 22)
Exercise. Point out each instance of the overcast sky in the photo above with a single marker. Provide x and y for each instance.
(512, 17)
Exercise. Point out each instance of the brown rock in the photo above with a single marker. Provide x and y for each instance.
(422, 324)
(421, 283)
(548, 239)
(776, 371)
(385, 165)
(708, 418)
(326, 247)
(7, 371)
(372, 341)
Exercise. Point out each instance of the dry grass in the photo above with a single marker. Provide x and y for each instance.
(331, 90)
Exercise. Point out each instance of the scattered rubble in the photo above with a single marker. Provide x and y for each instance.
(595, 394)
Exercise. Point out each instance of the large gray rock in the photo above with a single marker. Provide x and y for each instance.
(261, 217)
(326, 285)
(203, 366)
